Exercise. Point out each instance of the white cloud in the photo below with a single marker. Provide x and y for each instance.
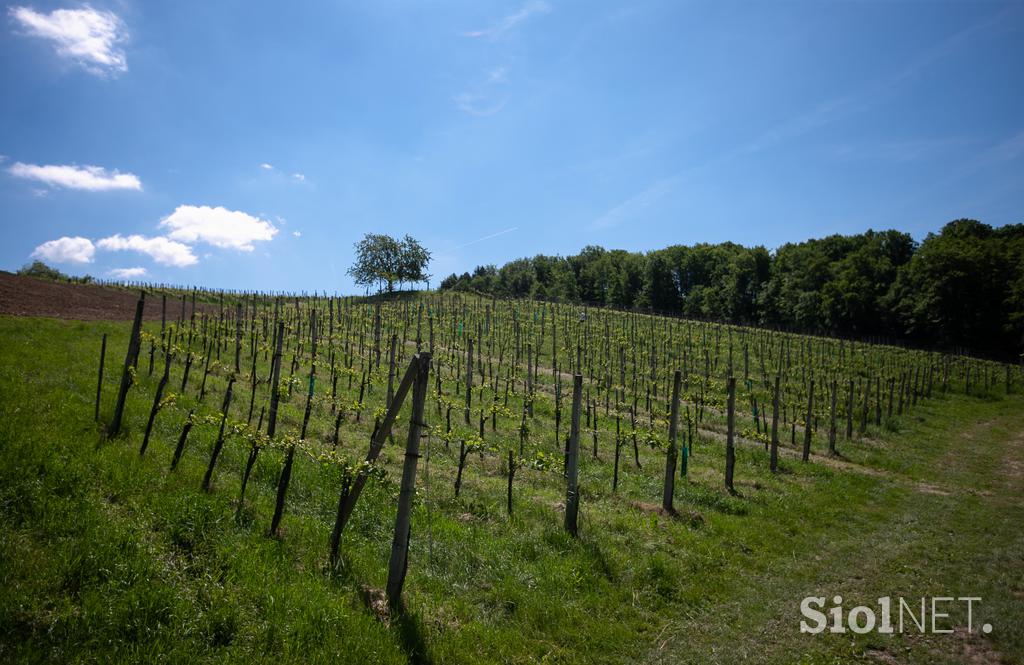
(1008, 150)
(486, 97)
(127, 273)
(162, 250)
(87, 36)
(299, 177)
(486, 237)
(268, 167)
(297, 234)
(90, 178)
(507, 23)
(220, 227)
(66, 250)
(478, 104)
(633, 208)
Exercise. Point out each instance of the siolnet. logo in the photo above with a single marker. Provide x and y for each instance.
(922, 615)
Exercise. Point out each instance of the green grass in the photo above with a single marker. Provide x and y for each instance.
(108, 557)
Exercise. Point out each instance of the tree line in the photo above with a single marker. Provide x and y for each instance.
(960, 288)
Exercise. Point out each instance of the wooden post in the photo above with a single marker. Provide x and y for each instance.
(849, 411)
(208, 478)
(188, 366)
(206, 367)
(275, 381)
(254, 451)
(572, 457)
(126, 380)
(878, 401)
(774, 459)
(687, 445)
(335, 542)
(462, 464)
(730, 450)
(399, 562)
(255, 382)
(152, 346)
(807, 422)
(377, 440)
(312, 378)
(391, 371)
(238, 338)
(673, 451)
(618, 447)
(286, 470)
(99, 381)
(511, 476)
(156, 401)
(864, 408)
(529, 379)
(832, 421)
(180, 448)
(469, 377)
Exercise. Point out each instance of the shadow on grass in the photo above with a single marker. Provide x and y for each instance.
(406, 622)
(410, 634)
(103, 437)
(723, 500)
(603, 563)
(339, 574)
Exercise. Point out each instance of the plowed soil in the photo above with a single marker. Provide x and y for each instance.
(27, 296)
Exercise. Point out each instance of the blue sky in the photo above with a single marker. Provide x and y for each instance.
(249, 145)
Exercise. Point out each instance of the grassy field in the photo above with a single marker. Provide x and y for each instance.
(109, 557)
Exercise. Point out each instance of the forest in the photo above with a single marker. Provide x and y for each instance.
(961, 288)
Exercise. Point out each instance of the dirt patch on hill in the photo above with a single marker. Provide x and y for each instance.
(693, 517)
(27, 296)
(1012, 469)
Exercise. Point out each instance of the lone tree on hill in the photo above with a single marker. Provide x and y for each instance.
(382, 260)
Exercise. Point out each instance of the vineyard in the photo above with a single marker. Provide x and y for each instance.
(450, 478)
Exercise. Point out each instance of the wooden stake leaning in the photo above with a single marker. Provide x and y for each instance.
(399, 562)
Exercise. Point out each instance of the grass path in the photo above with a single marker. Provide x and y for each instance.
(953, 526)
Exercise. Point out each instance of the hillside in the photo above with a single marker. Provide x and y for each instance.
(911, 488)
